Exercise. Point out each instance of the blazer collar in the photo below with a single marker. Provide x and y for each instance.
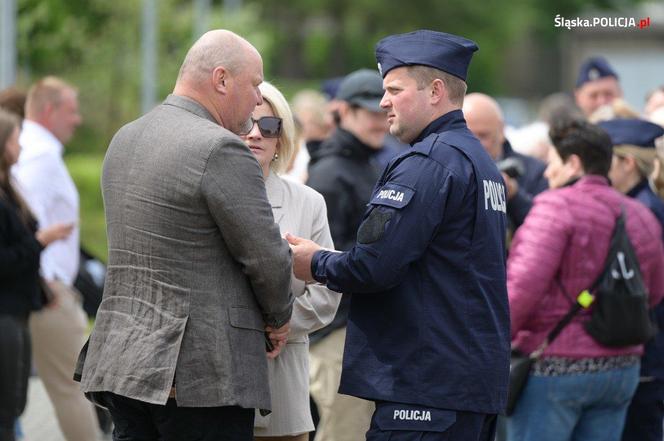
(275, 194)
(189, 105)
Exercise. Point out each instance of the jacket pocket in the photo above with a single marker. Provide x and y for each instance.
(245, 318)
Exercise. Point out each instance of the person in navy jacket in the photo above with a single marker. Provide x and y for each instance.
(633, 156)
(428, 333)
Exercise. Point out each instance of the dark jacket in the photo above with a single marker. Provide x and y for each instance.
(652, 363)
(19, 263)
(429, 321)
(344, 172)
(531, 183)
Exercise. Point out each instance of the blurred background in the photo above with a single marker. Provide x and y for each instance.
(124, 55)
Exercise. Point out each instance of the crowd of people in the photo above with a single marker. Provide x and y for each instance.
(358, 264)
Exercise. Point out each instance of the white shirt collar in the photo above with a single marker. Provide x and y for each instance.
(36, 139)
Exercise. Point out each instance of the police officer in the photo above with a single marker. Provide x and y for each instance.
(596, 85)
(428, 331)
(633, 155)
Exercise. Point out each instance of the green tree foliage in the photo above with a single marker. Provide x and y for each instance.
(96, 45)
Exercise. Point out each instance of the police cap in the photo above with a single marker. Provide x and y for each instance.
(446, 52)
(635, 132)
(593, 69)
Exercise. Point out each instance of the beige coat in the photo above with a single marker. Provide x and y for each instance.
(196, 265)
(301, 211)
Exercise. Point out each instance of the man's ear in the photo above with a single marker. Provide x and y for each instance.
(343, 108)
(220, 78)
(437, 91)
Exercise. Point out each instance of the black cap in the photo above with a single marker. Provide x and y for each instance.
(363, 88)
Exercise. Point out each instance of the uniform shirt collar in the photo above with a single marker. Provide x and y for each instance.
(638, 188)
(36, 139)
(451, 120)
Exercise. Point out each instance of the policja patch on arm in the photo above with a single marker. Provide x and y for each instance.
(389, 197)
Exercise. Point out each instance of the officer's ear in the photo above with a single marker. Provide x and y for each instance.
(437, 91)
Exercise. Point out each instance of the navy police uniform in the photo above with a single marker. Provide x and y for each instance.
(646, 410)
(428, 333)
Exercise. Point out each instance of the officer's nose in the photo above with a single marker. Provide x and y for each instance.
(385, 102)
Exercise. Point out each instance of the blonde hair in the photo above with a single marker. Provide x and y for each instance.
(286, 144)
(617, 109)
(48, 90)
(644, 158)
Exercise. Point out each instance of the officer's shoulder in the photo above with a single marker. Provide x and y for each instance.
(418, 164)
(445, 155)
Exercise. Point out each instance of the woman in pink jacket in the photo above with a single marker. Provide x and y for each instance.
(578, 389)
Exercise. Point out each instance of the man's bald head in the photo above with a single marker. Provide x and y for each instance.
(215, 48)
(222, 72)
(485, 120)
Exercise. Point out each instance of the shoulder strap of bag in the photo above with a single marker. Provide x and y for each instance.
(584, 300)
(622, 217)
(567, 318)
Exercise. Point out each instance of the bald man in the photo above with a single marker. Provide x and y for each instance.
(198, 275)
(485, 120)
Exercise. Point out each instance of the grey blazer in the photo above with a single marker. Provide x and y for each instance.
(196, 265)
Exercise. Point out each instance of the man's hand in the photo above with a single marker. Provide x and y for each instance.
(278, 337)
(303, 252)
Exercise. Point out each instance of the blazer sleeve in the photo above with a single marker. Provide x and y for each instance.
(317, 306)
(233, 186)
(18, 253)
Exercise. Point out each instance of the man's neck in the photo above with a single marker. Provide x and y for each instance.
(193, 94)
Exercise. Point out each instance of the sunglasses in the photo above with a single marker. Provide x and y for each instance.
(269, 126)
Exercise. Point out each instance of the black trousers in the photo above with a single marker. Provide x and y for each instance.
(15, 353)
(139, 421)
(645, 413)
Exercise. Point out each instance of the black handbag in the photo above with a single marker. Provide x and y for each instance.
(521, 363)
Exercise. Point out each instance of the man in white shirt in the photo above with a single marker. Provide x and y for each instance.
(58, 330)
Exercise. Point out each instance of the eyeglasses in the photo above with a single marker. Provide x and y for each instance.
(269, 126)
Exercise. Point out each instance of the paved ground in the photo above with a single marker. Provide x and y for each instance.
(38, 420)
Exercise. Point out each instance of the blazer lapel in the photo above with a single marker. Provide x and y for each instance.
(275, 194)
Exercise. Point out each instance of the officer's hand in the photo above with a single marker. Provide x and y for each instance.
(512, 186)
(303, 252)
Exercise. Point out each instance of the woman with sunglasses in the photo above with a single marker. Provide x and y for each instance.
(20, 293)
(299, 210)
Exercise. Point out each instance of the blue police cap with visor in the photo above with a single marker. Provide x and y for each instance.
(446, 52)
(593, 69)
(632, 132)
